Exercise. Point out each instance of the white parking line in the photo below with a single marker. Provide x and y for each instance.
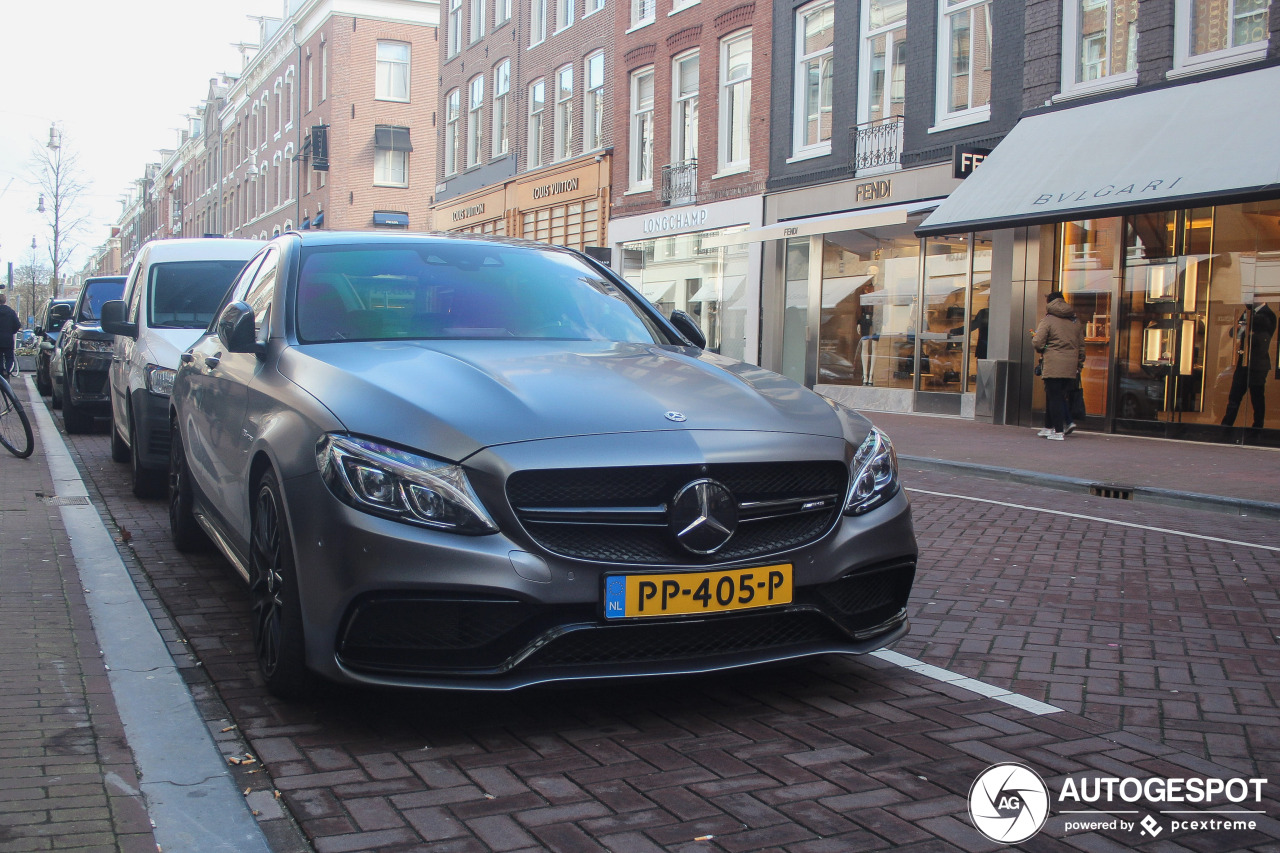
(191, 798)
(1099, 519)
(973, 685)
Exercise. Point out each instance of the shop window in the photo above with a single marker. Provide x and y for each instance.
(710, 285)
(1087, 257)
(815, 41)
(964, 62)
(1211, 33)
(1099, 44)
(870, 308)
(954, 315)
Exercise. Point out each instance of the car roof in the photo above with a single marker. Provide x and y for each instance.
(370, 238)
(200, 249)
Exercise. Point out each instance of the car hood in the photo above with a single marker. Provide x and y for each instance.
(163, 346)
(453, 398)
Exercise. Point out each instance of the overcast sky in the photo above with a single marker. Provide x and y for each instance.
(118, 79)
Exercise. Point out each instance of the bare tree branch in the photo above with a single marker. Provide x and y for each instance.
(55, 170)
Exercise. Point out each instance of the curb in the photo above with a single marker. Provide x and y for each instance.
(1139, 494)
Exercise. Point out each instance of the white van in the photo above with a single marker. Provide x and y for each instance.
(172, 291)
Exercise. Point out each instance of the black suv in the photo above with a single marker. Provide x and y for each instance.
(55, 313)
(79, 366)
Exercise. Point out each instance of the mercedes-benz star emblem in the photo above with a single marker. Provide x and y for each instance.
(704, 515)
(674, 416)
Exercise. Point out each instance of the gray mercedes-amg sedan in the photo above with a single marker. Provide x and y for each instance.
(482, 464)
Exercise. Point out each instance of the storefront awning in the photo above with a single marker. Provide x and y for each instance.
(391, 217)
(853, 220)
(1212, 141)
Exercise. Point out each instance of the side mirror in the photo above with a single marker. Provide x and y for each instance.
(236, 328)
(688, 327)
(38, 331)
(113, 319)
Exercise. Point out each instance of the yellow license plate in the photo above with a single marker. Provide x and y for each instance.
(684, 593)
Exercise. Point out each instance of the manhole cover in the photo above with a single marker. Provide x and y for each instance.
(75, 500)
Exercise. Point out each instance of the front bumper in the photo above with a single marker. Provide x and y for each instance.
(151, 430)
(88, 388)
(387, 603)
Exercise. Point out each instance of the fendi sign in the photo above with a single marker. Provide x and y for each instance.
(872, 191)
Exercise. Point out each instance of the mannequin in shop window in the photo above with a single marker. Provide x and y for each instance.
(867, 336)
(1252, 338)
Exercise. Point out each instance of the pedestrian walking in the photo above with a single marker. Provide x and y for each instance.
(1060, 340)
(9, 326)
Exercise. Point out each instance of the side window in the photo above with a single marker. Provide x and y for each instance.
(260, 294)
(133, 298)
(241, 285)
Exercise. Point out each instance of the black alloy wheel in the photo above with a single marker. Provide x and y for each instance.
(278, 641)
(146, 482)
(186, 532)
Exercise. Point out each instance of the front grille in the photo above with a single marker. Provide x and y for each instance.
(640, 642)
(646, 539)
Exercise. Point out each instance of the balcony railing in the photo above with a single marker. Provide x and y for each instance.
(878, 144)
(680, 182)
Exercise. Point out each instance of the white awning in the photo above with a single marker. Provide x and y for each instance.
(1202, 142)
(852, 220)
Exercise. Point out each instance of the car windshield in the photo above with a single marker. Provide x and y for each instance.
(98, 292)
(452, 290)
(185, 294)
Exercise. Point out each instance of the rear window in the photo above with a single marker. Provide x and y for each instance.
(185, 294)
(461, 290)
(97, 293)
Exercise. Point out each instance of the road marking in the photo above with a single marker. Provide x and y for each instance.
(973, 685)
(192, 800)
(1099, 519)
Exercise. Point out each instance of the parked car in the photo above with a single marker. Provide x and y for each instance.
(484, 464)
(173, 289)
(55, 313)
(79, 365)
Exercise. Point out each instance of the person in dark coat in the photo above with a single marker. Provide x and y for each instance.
(9, 326)
(1060, 340)
(1253, 333)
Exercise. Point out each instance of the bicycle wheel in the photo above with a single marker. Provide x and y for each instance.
(15, 429)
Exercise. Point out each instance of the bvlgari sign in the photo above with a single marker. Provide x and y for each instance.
(1112, 191)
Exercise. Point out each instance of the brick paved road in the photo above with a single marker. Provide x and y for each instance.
(833, 755)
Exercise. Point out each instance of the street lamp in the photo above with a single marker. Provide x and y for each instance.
(31, 311)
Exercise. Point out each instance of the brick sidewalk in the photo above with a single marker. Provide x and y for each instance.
(67, 778)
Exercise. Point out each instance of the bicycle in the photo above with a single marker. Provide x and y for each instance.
(15, 427)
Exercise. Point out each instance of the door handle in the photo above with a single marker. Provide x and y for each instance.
(212, 361)
(187, 357)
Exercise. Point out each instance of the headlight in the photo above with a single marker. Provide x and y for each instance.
(397, 484)
(160, 379)
(875, 474)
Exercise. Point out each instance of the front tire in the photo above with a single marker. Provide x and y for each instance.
(186, 532)
(74, 417)
(119, 450)
(278, 640)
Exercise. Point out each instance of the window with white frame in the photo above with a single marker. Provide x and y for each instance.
(501, 108)
(391, 156)
(537, 110)
(643, 12)
(290, 108)
(477, 20)
(392, 72)
(883, 77)
(590, 6)
(452, 111)
(1099, 43)
(964, 62)
(593, 103)
(475, 120)
(453, 37)
(684, 108)
(1213, 33)
(324, 71)
(537, 21)
(815, 40)
(311, 84)
(562, 136)
(277, 104)
(501, 12)
(641, 146)
(735, 102)
(564, 14)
